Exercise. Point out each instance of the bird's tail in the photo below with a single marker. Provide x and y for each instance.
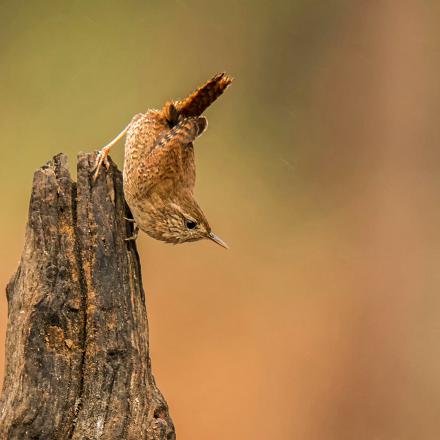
(202, 98)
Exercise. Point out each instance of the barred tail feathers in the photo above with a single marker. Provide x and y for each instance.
(196, 103)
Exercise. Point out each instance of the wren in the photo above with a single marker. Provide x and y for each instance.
(159, 168)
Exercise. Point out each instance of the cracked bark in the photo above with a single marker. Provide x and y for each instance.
(77, 356)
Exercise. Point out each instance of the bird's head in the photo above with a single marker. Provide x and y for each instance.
(180, 220)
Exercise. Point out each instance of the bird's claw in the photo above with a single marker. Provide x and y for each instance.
(101, 158)
(134, 235)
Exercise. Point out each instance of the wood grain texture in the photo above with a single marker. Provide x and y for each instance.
(77, 354)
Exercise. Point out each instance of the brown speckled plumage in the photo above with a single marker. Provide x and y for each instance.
(159, 168)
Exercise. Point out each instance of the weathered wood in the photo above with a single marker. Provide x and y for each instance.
(78, 364)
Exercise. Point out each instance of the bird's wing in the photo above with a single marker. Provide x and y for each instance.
(171, 160)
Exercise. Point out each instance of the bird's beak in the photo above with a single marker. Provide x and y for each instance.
(218, 240)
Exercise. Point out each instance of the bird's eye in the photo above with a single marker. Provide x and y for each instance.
(190, 224)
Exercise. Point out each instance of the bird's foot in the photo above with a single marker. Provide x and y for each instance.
(101, 158)
(135, 234)
(103, 153)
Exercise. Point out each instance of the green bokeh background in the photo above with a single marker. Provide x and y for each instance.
(319, 168)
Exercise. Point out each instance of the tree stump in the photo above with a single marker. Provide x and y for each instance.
(77, 354)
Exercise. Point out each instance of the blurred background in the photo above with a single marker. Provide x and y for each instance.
(320, 170)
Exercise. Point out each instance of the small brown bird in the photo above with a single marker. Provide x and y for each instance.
(159, 168)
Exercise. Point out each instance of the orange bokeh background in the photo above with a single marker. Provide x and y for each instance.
(319, 169)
